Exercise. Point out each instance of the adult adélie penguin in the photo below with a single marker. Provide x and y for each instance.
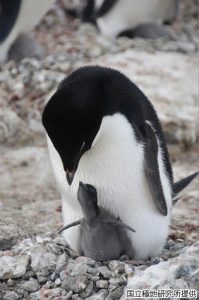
(103, 130)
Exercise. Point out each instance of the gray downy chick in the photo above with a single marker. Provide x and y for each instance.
(102, 235)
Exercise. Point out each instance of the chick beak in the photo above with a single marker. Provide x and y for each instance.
(69, 176)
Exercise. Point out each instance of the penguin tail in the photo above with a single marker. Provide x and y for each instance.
(183, 183)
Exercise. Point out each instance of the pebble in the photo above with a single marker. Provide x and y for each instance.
(13, 267)
(58, 281)
(61, 262)
(76, 268)
(11, 296)
(116, 294)
(118, 281)
(101, 295)
(10, 282)
(106, 273)
(31, 286)
(63, 275)
(102, 284)
(77, 283)
(93, 271)
(88, 291)
(55, 292)
(117, 266)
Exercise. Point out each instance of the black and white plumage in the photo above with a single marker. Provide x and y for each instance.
(18, 17)
(130, 17)
(104, 131)
(102, 236)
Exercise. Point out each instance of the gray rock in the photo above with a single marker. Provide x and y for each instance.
(77, 283)
(76, 268)
(61, 263)
(31, 286)
(118, 281)
(42, 262)
(63, 275)
(76, 297)
(69, 295)
(52, 276)
(49, 285)
(102, 284)
(10, 282)
(117, 266)
(35, 296)
(21, 292)
(88, 291)
(42, 279)
(93, 278)
(11, 296)
(58, 282)
(56, 292)
(101, 295)
(116, 294)
(9, 234)
(13, 267)
(106, 273)
(93, 271)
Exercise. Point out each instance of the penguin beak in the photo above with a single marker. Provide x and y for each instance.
(69, 176)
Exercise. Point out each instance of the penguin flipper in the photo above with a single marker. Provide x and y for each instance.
(152, 170)
(183, 183)
(69, 226)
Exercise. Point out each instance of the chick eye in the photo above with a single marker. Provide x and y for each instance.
(92, 189)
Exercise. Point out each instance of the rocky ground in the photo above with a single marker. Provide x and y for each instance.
(35, 262)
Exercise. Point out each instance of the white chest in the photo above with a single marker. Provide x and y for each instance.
(114, 165)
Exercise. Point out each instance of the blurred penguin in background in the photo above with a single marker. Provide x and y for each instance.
(17, 18)
(131, 18)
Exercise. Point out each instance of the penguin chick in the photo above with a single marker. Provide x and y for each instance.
(102, 236)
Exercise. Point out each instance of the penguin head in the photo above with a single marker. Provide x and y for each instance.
(73, 115)
(87, 197)
(72, 118)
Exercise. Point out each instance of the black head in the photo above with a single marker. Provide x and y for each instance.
(87, 197)
(73, 115)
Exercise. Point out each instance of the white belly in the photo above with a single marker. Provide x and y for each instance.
(114, 165)
(130, 13)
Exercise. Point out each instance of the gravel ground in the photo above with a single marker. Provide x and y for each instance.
(35, 262)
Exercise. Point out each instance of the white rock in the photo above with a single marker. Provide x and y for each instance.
(31, 286)
(13, 267)
(11, 296)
